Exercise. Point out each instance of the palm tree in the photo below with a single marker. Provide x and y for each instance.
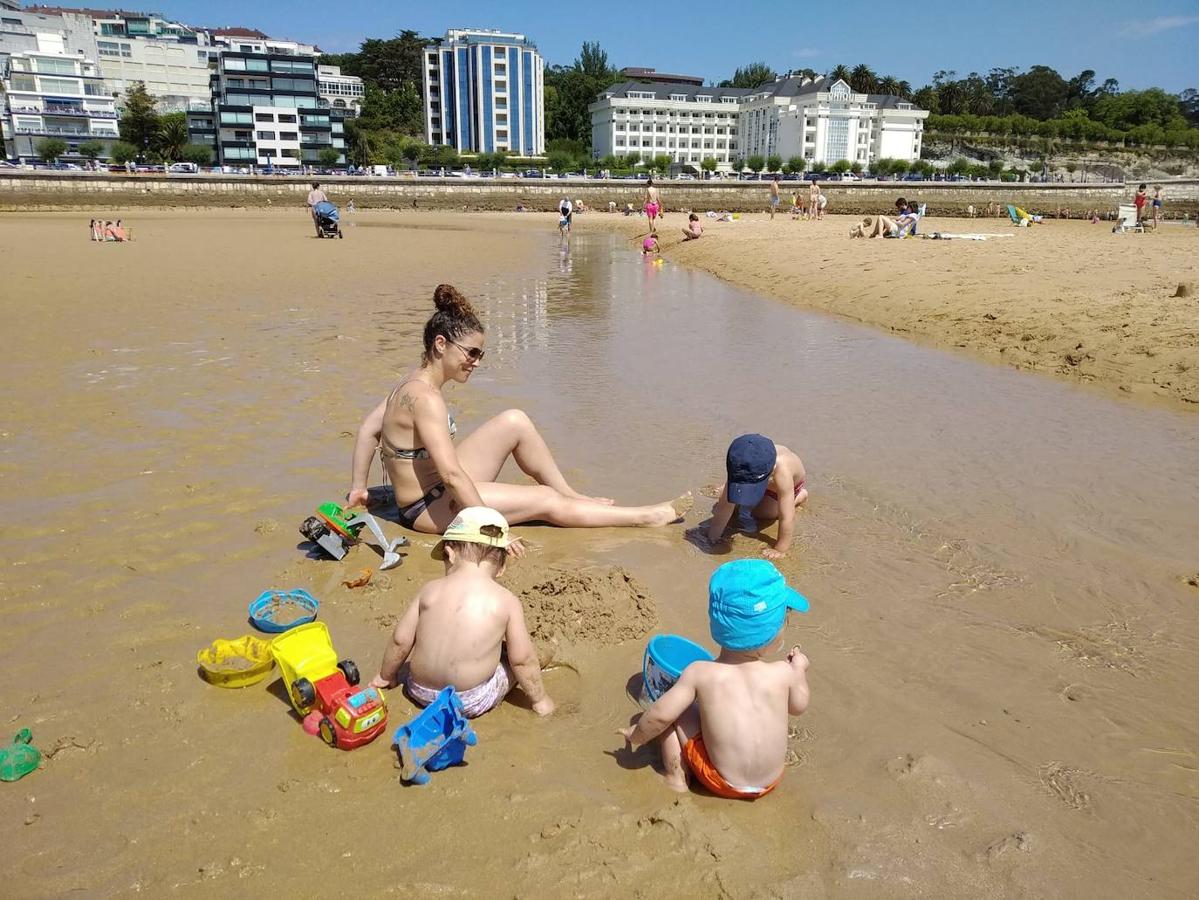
(890, 85)
(839, 73)
(172, 136)
(863, 80)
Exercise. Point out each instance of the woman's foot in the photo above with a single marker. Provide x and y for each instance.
(666, 513)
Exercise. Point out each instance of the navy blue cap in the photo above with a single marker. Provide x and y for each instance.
(749, 462)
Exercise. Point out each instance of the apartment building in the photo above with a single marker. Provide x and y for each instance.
(267, 111)
(51, 93)
(341, 92)
(685, 122)
(484, 92)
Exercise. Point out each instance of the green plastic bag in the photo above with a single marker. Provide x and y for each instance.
(19, 758)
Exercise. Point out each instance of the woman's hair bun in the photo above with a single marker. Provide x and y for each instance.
(449, 300)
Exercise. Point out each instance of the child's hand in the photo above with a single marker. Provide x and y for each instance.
(797, 658)
(544, 706)
(381, 683)
(771, 553)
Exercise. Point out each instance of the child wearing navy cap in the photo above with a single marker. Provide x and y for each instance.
(724, 722)
(760, 472)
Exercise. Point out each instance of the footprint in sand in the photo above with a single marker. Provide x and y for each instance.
(1062, 781)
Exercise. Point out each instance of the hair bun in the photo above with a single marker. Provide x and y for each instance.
(449, 300)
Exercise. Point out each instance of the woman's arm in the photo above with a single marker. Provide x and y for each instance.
(430, 424)
(364, 451)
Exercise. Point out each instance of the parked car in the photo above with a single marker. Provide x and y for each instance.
(5, 164)
(183, 168)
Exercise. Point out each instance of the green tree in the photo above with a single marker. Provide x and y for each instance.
(893, 86)
(794, 165)
(50, 149)
(559, 160)
(329, 156)
(756, 163)
(139, 119)
(738, 165)
(927, 98)
(632, 158)
(840, 73)
(611, 161)
(91, 150)
(1039, 93)
(709, 165)
(863, 79)
(199, 154)
(841, 166)
(662, 163)
(387, 63)
(855, 167)
(994, 168)
(899, 166)
(574, 88)
(397, 110)
(959, 166)
(171, 137)
(121, 152)
(750, 76)
(412, 153)
(774, 163)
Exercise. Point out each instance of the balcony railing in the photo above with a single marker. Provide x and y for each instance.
(67, 132)
(64, 111)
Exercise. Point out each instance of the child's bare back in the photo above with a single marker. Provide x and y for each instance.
(462, 621)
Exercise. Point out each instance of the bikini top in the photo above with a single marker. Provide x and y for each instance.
(388, 451)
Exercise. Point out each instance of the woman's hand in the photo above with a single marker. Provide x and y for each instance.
(357, 497)
(517, 548)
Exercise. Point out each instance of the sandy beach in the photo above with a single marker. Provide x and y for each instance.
(1001, 566)
(1066, 298)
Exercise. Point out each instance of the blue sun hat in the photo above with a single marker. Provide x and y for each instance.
(748, 601)
(749, 462)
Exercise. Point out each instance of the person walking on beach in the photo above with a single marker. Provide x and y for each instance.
(315, 196)
(1157, 204)
(653, 204)
(813, 199)
(566, 212)
(434, 480)
(774, 195)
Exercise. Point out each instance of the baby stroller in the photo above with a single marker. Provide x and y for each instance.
(327, 220)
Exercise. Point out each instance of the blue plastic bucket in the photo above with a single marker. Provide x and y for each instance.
(265, 615)
(666, 656)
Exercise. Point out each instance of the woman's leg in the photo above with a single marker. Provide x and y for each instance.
(512, 433)
(539, 503)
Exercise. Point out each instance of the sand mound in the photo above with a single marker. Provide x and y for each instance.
(595, 606)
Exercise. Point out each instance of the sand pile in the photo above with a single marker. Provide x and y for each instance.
(594, 606)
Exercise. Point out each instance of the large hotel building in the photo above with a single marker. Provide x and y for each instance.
(484, 92)
(822, 121)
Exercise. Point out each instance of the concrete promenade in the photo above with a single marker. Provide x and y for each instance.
(84, 190)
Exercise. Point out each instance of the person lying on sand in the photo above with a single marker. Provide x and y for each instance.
(876, 227)
(433, 480)
(760, 472)
(694, 231)
(725, 722)
(458, 628)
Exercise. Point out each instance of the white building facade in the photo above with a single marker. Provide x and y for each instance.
(53, 94)
(344, 92)
(686, 123)
(821, 121)
(825, 121)
(484, 91)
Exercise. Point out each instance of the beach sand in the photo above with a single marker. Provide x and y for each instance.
(999, 708)
(1067, 297)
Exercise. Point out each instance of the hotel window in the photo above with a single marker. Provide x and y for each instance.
(678, 96)
(60, 86)
(289, 136)
(242, 135)
(234, 64)
(56, 66)
(266, 135)
(287, 118)
(23, 83)
(264, 117)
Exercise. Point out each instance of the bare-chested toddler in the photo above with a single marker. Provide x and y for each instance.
(769, 480)
(725, 722)
(458, 629)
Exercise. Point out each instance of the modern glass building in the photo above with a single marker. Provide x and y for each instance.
(267, 111)
(484, 92)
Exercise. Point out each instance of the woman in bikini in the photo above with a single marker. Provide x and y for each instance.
(433, 479)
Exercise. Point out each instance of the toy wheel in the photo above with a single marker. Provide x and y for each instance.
(349, 670)
(327, 732)
(304, 692)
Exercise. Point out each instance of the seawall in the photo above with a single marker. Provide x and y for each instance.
(33, 190)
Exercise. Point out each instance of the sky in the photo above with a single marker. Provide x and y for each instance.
(1150, 43)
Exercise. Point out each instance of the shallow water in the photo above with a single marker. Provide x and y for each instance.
(1002, 640)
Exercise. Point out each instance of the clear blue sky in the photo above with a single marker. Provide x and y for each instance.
(1141, 44)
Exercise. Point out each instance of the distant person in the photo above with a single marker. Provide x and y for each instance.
(315, 196)
(565, 213)
(821, 203)
(813, 198)
(1139, 202)
(464, 630)
(1157, 204)
(97, 229)
(767, 479)
(724, 722)
(650, 245)
(694, 231)
(774, 195)
(118, 232)
(653, 204)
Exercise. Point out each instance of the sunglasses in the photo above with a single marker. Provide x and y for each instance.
(474, 354)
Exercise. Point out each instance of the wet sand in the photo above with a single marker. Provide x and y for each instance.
(1002, 636)
(1067, 297)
